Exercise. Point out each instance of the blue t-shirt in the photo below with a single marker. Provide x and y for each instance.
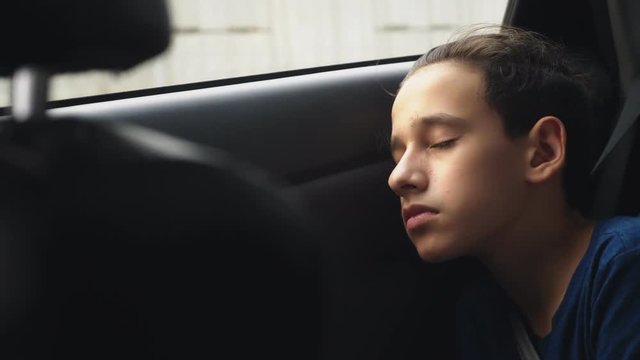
(598, 318)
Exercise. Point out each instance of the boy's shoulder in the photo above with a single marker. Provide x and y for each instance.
(611, 266)
(615, 238)
(610, 288)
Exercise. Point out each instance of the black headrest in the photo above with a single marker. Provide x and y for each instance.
(77, 35)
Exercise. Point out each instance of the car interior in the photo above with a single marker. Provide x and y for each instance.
(246, 216)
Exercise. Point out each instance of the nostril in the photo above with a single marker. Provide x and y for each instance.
(407, 186)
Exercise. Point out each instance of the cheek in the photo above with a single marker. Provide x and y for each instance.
(483, 183)
(479, 198)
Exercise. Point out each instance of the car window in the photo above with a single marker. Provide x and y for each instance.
(217, 39)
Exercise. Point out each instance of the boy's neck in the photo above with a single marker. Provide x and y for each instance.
(534, 263)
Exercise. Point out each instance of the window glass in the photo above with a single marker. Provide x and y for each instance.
(215, 39)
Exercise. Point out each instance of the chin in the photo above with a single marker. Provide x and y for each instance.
(434, 257)
(434, 251)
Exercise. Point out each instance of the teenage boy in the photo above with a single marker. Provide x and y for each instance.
(490, 137)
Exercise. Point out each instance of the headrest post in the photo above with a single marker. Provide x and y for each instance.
(29, 92)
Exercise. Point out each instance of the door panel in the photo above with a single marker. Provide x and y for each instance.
(298, 127)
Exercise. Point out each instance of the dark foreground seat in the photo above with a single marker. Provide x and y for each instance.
(120, 242)
(123, 242)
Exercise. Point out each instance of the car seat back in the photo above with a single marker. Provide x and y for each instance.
(120, 241)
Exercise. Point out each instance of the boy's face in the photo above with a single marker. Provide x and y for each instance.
(460, 179)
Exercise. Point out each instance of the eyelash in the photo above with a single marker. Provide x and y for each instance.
(444, 144)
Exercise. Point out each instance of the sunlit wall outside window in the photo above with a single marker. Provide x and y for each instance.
(216, 39)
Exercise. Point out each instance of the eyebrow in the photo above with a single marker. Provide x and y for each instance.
(442, 119)
(434, 120)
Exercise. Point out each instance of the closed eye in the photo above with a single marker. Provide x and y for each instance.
(444, 144)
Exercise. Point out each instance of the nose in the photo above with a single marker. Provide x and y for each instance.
(409, 176)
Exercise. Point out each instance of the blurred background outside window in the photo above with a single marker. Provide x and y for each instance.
(217, 39)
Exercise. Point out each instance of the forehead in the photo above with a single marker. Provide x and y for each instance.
(452, 88)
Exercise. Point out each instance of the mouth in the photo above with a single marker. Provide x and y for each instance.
(415, 216)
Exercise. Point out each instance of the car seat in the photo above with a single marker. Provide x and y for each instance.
(117, 241)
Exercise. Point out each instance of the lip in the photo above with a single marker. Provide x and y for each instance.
(415, 216)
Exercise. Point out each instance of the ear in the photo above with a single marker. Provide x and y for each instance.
(546, 149)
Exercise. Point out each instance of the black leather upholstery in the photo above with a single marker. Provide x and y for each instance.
(117, 241)
(129, 243)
